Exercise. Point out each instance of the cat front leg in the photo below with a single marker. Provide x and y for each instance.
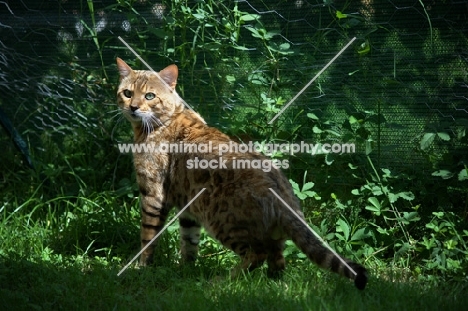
(153, 206)
(153, 218)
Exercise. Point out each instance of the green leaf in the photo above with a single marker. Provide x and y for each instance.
(433, 226)
(408, 195)
(382, 231)
(364, 48)
(284, 46)
(281, 49)
(309, 194)
(241, 48)
(386, 171)
(340, 15)
(316, 130)
(230, 79)
(304, 193)
(445, 174)
(340, 237)
(342, 226)
(444, 136)
(307, 186)
(429, 244)
(463, 175)
(376, 190)
(355, 192)
(411, 216)
(374, 201)
(427, 140)
(373, 209)
(199, 16)
(211, 46)
(301, 255)
(249, 17)
(294, 185)
(392, 197)
(352, 166)
(352, 120)
(271, 34)
(254, 31)
(312, 116)
(361, 234)
(301, 196)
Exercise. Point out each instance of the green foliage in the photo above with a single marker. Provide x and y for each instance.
(382, 223)
(76, 214)
(445, 245)
(306, 190)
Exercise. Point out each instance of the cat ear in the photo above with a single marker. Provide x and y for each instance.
(124, 69)
(169, 75)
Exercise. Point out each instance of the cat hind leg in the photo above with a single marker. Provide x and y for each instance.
(249, 261)
(189, 238)
(275, 259)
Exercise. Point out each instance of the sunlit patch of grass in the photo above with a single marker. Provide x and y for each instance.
(64, 252)
(33, 275)
(80, 282)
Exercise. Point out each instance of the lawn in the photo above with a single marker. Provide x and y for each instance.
(39, 273)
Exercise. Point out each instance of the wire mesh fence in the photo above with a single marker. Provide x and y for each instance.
(240, 61)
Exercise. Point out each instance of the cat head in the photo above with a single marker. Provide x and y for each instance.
(148, 99)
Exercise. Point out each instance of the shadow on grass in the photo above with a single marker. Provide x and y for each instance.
(90, 284)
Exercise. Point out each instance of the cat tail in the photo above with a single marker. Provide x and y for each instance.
(323, 256)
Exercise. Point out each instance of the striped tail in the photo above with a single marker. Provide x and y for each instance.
(316, 251)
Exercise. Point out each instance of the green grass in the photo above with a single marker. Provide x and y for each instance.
(93, 284)
(62, 250)
(79, 284)
(40, 271)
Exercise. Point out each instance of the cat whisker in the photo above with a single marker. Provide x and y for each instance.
(156, 120)
(150, 121)
(147, 125)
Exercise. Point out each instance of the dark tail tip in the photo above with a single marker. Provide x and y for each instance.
(360, 280)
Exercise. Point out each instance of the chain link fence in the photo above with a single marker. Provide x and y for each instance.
(400, 90)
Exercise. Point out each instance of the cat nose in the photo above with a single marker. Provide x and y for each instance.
(133, 108)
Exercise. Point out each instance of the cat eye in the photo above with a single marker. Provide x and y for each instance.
(128, 93)
(150, 96)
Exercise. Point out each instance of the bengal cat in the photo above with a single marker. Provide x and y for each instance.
(237, 207)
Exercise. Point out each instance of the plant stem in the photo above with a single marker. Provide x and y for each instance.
(430, 24)
(385, 191)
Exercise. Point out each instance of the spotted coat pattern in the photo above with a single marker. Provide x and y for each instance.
(237, 207)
